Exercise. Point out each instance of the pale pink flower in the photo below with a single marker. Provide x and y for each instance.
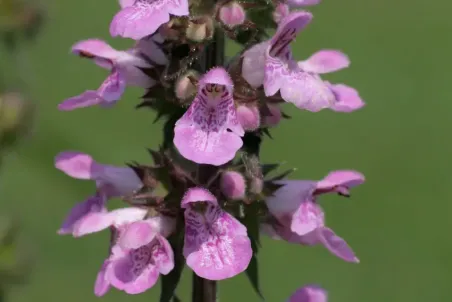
(270, 63)
(135, 270)
(125, 70)
(110, 181)
(140, 18)
(216, 244)
(209, 132)
(301, 219)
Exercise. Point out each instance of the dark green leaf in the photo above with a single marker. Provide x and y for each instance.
(251, 221)
(170, 282)
(283, 175)
(267, 168)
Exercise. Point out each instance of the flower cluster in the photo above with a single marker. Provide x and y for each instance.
(218, 197)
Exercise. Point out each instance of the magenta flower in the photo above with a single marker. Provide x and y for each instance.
(309, 293)
(270, 64)
(209, 132)
(140, 18)
(125, 69)
(135, 270)
(110, 181)
(216, 244)
(301, 219)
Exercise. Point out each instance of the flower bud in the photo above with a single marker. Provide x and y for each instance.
(233, 185)
(273, 117)
(248, 117)
(232, 14)
(185, 86)
(281, 10)
(15, 117)
(200, 29)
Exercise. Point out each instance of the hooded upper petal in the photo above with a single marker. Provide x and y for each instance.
(209, 132)
(142, 232)
(216, 244)
(309, 293)
(77, 165)
(325, 61)
(340, 181)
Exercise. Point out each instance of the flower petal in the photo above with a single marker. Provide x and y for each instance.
(87, 99)
(102, 285)
(163, 256)
(306, 91)
(287, 30)
(308, 217)
(122, 180)
(253, 64)
(93, 204)
(216, 245)
(139, 20)
(288, 198)
(309, 293)
(345, 178)
(126, 3)
(96, 222)
(177, 7)
(347, 98)
(77, 165)
(112, 88)
(194, 195)
(132, 275)
(325, 61)
(336, 245)
(137, 234)
(93, 48)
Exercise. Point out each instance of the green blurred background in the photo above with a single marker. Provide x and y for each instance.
(398, 223)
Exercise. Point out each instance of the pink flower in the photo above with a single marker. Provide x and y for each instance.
(209, 132)
(271, 64)
(216, 244)
(135, 270)
(140, 18)
(125, 69)
(301, 219)
(309, 293)
(110, 181)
